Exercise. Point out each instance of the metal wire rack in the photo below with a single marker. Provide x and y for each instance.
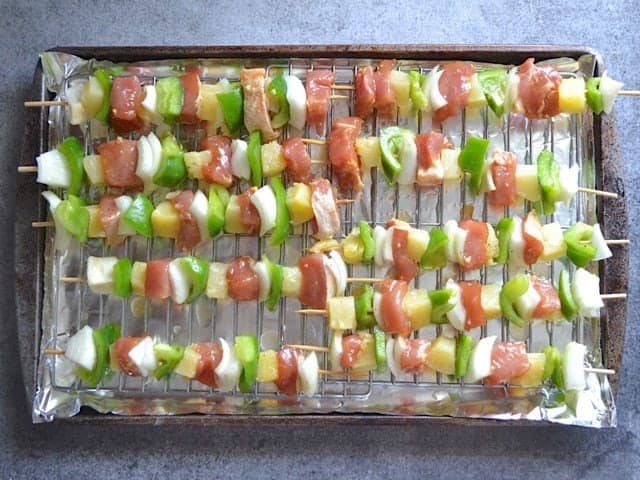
(73, 305)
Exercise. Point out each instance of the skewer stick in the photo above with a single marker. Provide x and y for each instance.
(46, 224)
(343, 87)
(27, 169)
(344, 201)
(622, 241)
(72, 279)
(604, 371)
(314, 141)
(46, 103)
(310, 348)
(312, 311)
(600, 193)
(629, 93)
(613, 296)
(339, 97)
(53, 351)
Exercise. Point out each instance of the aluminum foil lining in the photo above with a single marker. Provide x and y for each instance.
(68, 307)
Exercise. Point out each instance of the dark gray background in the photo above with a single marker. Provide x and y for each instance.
(53, 451)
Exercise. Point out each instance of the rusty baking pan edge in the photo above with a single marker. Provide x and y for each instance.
(29, 247)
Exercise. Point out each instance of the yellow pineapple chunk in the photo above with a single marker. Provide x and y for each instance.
(442, 355)
(232, 217)
(93, 168)
(95, 227)
(267, 367)
(291, 281)
(188, 366)
(449, 158)
(571, 95)
(401, 86)
(527, 185)
(533, 376)
(490, 301)
(366, 360)
(217, 281)
(476, 95)
(92, 96)
(138, 277)
(553, 241)
(493, 247)
(209, 107)
(352, 247)
(368, 149)
(165, 220)
(273, 162)
(417, 243)
(195, 161)
(299, 203)
(342, 313)
(417, 306)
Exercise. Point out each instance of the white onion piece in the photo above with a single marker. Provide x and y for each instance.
(457, 316)
(409, 161)
(338, 269)
(377, 312)
(240, 160)
(379, 238)
(264, 277)
(387, 247)
(180, 281)
(156, 148)
(573, 366)
(309, 373)
(392, 358)
(450, 229)
(145, 168)
(265, 202)
(586, 292)
(229, 369)
(480, 360)
(609, 89)
(297, 99)
(199, 208)
(512, 98)
(516, 244)
(459, 241)
(526, 303)
(81, 348)
(63, 238)
(335, 350)
(123, 202)
(597, 240)
(436, 100)
(569, 177)
(150, 103)
(143, 356)
(100, 274)
(53, 169)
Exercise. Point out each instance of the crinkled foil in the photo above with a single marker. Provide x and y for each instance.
(69, 306)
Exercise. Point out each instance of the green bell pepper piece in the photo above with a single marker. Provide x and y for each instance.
(510, 291)
(579, 253)
(276, 273)
(494, 86)
(232, 105)
(170, 94)
(247, 351)
(594, 95)
(172, 168)
(277, 91)
(553, 366)
(122, 278)
(281, 230)
(380, 342)
(138, 215)
(440, 305)
(74, 217)
(464, 347)
(549, 181)
(416, 93)
(198, 270)
(504, 230)
(104, 79)
(103, 338)
(392, 144)
(472, 161)
(364, 307)
(254, 155)
(218, 201)
(567, 302)
(366, 235)
(435, 256)
(168, 358)
(73, 152)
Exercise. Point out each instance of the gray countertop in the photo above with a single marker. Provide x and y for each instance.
(57, 451)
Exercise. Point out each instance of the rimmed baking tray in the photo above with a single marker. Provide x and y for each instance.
(30, 244)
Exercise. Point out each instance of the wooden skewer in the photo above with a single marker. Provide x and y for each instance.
(46, 103)
(53, 351)
(309, 348)
(339, 97)
(314, 141)
(604, 371)
(343, 87)
(613, 296)
(600, 193)
(312, 311)
(344, 201)
(622, 241)
(72, 279)
(629, 93)
(46, 224)
(27, 169)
